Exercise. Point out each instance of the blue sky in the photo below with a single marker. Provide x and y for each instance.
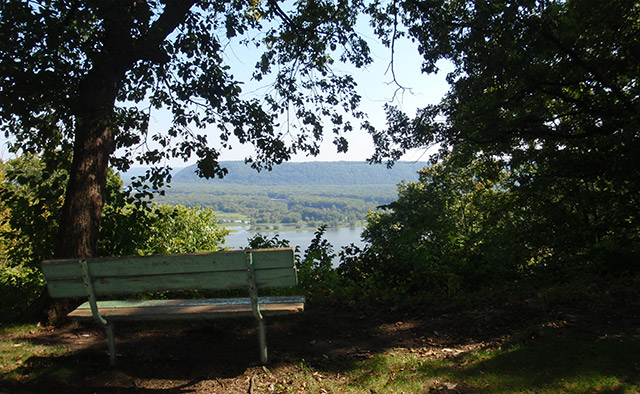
(376, 88)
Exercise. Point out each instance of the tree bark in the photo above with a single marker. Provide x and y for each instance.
(82, 210)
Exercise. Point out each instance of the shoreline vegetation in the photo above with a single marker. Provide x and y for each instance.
(283, 207)
(294, 196)
(233, 225)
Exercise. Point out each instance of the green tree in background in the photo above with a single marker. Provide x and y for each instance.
(549, 89)
(438, 236)
(32, 196)
(134, 228)
(183, 230)
(31, 200)
(480, 227)
(316, 272)
(83, 79)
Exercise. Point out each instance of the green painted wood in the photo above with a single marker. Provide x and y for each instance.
(169, 264)
(205, 309)
(88, 287)
(185, 303)
(206, 271)
(253, 289)
(111, 339)
(283, 277)
(262, 339)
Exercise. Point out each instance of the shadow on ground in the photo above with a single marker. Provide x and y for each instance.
(222, 356)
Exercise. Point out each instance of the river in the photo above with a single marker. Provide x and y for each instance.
(337, 237)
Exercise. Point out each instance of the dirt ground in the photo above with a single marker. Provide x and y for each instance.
(222, 356)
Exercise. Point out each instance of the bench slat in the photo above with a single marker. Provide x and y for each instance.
(196, 309)
(282, 277)
(169, 264)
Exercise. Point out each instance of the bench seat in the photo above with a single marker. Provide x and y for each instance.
(192, 309)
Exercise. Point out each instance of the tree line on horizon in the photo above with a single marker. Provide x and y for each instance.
(290, 206)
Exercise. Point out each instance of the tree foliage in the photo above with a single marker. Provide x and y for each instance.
(173, 55)
(547, 90)
(442, 234)
(548, 86)
(479, 227)
(32, 196)
(31, 200)
(550, 81)
(316, 275)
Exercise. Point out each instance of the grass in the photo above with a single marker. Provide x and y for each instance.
(550, 362)
(609, 365)
(549, 365)
(18, 355)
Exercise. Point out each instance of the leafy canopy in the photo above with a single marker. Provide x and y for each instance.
(548, 82)
(47, 49)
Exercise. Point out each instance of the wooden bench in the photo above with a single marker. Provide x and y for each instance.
(251, 269)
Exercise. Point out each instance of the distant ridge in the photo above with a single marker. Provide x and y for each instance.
(309, 173)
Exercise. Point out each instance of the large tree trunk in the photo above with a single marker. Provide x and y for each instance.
(82, 210)
(94, 143)
(94, 138)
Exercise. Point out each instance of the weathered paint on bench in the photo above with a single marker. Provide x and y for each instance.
(195, 309)
(252, 269)
(141, 274)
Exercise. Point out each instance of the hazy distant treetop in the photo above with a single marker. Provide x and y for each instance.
(310, 173)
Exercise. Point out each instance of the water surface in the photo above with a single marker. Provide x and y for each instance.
(337, 237)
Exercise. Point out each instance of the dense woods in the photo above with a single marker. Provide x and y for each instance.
(294, 195)
(301, 206)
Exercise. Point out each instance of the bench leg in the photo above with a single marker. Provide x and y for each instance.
(112, 344)
(263, 341)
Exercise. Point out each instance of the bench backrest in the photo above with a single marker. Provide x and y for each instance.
(201, 271)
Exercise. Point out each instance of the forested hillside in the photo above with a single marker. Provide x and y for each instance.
(309, 173)
(293, 195)
(288, 206)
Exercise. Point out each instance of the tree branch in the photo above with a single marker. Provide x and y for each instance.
(391, 63)
(149, 46)
(594, 71)
(278, 11)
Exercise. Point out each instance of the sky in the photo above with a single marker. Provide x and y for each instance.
(376, 89)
